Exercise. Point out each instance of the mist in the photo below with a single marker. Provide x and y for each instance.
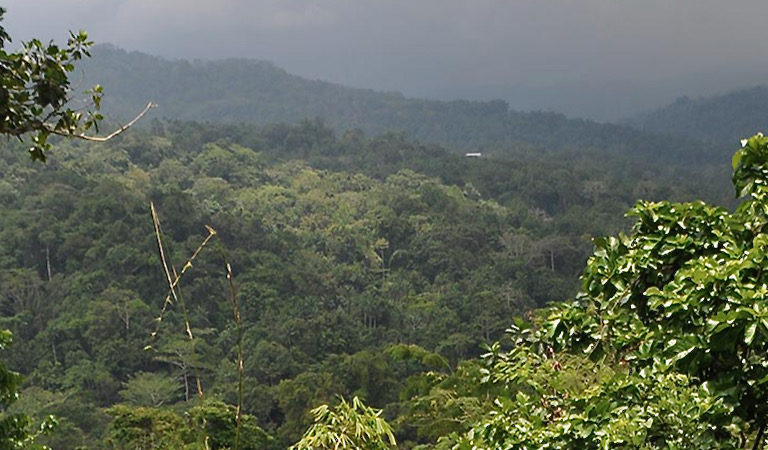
(589, 58)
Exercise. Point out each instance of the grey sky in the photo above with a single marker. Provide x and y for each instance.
(597, 58)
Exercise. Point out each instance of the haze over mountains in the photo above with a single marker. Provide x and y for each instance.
(723, 118)
(371, 257)
(592, 58)
(258, 92)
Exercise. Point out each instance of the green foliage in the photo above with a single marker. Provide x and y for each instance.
(439, 406)
(36, 90)
(16, 430)
(414, 352)
(145, 428)
(672, 323)
(150, 389)
(570, 402)
(242, 91)
(342, 247)
(9, 380)
(70, 414)
(211, 425)
(350, 425)
(216, 421)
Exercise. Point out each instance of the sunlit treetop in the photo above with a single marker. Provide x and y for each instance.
(672, 322)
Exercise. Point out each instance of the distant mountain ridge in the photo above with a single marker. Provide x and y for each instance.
(723, 118)
(258, 92)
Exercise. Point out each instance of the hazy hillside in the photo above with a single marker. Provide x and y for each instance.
(723, 118)
(318, 264)
(250, 91)
(269, 262)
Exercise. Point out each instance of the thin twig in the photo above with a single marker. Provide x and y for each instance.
(191, 337)
(172, 286)
(759, 438)
(184, 269)
(240, 368)
(156, 222)
(106, 138)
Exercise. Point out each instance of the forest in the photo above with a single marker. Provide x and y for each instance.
(721, 119)
(257, 92)
(301, 280)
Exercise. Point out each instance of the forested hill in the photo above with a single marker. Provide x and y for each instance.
(257, 92)
(343, 247)
(724, 118)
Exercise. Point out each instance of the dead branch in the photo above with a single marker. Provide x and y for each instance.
(115, 133)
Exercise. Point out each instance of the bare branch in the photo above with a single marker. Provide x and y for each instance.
(106, 138)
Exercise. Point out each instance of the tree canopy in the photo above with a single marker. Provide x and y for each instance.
(36, 98)
(370, 268)
(365, 266)
(665, 346)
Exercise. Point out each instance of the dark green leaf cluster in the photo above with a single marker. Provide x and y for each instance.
(211, 425)
(673, 318)
(356, 273)
(35, 91)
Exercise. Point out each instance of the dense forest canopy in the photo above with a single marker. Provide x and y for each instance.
(270, 280)
(365, 266)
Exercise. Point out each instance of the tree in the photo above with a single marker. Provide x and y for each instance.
(150, 389)
(219, 425)
(347, 426)
(146, 428)
(211, 425)
(15, 429)
(36, 93)
(670, 330)
(36, 97)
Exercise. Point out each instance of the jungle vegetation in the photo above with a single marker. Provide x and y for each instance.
(314, 284)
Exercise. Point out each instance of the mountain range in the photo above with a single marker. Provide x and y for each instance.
(722, 119)
(258, 92)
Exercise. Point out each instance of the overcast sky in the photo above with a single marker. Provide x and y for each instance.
(595, 58)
